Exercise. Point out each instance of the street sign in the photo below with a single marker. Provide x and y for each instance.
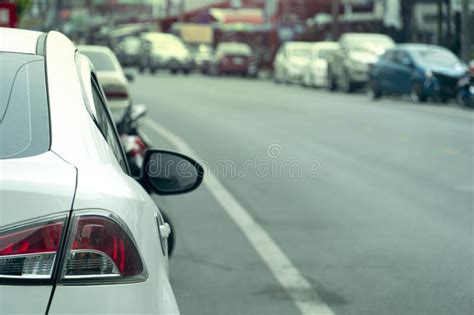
(7, 15)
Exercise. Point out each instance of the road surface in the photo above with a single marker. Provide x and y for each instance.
(371, 202)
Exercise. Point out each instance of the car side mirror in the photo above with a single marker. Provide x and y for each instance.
(170, 173)
(130, 77)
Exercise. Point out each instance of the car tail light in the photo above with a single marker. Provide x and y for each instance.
(116, 94)
(100, 247)
(29, 250)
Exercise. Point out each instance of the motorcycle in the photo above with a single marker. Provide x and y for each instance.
(135, 144)
(465, 91)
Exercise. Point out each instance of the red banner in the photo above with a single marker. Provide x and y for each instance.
(8, 15)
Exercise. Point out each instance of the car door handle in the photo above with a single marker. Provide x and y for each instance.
(165, 230)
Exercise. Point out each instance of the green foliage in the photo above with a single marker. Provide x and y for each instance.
(21, 6)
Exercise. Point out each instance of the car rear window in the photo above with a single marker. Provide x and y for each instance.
(100, 60)
(24, 112)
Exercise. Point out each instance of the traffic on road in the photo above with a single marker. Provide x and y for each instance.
(247, 164)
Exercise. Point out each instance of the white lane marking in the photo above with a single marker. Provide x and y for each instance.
(290, 278)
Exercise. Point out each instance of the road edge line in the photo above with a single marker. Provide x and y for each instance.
(300, 290)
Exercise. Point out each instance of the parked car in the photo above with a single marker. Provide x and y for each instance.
(128, 51)
(419, 70)
(111, 77)
(164, 51)
(348, 67)
(316, 70)
(202, 56)
(290, 62)
(74, 225)
(234, 57)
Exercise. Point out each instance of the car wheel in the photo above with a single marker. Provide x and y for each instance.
(173, 71)
(153, 70)
(373, 91)
(186, 71)
(331, 82)
(141, 68)
(416, 93)
(347, 85)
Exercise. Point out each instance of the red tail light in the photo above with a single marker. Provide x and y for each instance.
(29, 250)
(116, 94)
(100, 247)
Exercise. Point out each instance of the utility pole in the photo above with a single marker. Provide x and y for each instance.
(439, 4)
(466, 30)
(335, 18)
(182, 11)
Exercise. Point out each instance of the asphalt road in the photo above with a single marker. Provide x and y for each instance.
(371, 201)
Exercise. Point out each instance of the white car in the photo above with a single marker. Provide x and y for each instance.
(290, 62)
(316, 70)
(78, 235)
(165, 51)
(111, 77)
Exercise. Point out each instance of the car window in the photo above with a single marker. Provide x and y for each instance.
(100, 60)
(24, 112)
(389, 56)
(436, 56)
(107, 128)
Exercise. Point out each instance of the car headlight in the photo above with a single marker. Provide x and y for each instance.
(429, 74)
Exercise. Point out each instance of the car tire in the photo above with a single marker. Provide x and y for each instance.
(153, 70)
(331, 82)
(348, 86)
(417, 94)
(186, 71)
(173, 71)
(373, 91)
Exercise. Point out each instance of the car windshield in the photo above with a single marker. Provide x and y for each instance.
(374, 44)
(298, 52)
(325, 53)
(234, 48)
(439, 57)
(131, 43)
(100, 60)
(24, 117)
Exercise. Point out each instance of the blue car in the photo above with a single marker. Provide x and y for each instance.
(421, 71)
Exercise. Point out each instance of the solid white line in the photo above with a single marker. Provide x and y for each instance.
(295, 284)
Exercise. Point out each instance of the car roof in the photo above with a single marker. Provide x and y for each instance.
(19, 41)
(413, 47)
(298, 44)
(323, 45)
(95, 48)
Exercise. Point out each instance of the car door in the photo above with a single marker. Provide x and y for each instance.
(279, 62)
(109, 131)
(403, 71)
(384, 71)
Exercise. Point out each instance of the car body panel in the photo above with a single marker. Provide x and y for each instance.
(35, 186)
(24, 299)
(26, 46)
(100, 182)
